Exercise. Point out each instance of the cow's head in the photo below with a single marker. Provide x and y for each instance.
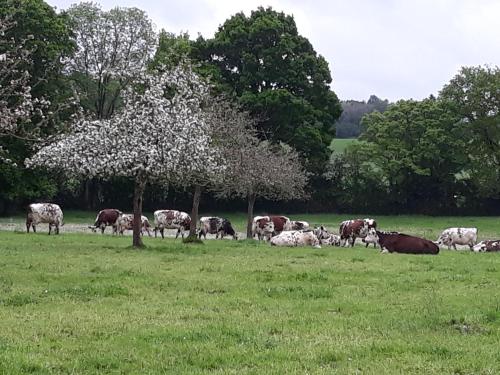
(372, 236)
(320, 232)
(444, 239)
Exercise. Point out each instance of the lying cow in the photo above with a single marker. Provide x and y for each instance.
(299, 225)
(49, 213)
(217, 226)
(268, 226)
(106, 217)
(325, 237)
(458, 236)
(172, 219)
(487, 246)
(402, 243)
(296, 238)
(357, 228)
(126, 222)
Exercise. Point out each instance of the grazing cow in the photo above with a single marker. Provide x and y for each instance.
(268, 226)
(299, 225)
(325, 237)
(351, 229)
(171, 219)
(216, 225)
(488, 246)
(106, 217)
(296, 238)
(458, 236)
(126, 222)
(402, 243)
(44, 213)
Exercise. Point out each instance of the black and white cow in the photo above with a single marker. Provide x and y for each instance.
(325, 237)
(49, 213)
(217, 226)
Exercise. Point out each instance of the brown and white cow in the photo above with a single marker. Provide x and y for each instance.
(268, 226)
(106, 217)
(171, 219)
(126, 222)
(49, 213)
(296, 238)
(402, 243)
(351, 229)
(487, 246)
(217, 226)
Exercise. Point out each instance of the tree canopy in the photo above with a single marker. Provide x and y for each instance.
(277, 76)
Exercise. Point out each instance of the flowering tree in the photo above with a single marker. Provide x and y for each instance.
(158, 136)
(260, 169)
(113, 48)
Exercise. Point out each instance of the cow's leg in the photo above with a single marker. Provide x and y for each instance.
(28, 227)
(50, 228)
(34, 228)
(353, 239)
(455, 246)
(57, 228)
(177, 234)
(162, 231)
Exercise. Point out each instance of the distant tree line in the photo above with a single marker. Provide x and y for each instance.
(349, 124)
(62, 72)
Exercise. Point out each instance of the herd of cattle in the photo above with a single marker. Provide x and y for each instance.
(278, 230)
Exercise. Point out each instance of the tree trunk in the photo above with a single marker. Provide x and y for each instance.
(140, 185)
(251, 202)
(87, 194)
(194, 210)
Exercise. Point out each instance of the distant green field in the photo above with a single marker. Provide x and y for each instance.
(90, 304)
(338, 145)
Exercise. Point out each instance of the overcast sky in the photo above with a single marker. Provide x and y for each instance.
(395, 49)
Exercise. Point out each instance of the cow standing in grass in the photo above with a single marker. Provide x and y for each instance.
(126, 222)
(268, 226)
(171, 219)
(107, 217)
(351, 229)
(217, 226)
(49, 213)
(458, 236)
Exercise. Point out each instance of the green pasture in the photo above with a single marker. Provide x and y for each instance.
(338, 145)
(90, 304)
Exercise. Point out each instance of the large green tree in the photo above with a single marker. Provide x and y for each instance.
(278, 76)
(41, 41)
(416, 151)
(474, 94)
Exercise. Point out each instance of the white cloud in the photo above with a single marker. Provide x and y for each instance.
(394, 49)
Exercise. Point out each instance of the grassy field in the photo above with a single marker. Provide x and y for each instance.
(338, 145)
(89, 304)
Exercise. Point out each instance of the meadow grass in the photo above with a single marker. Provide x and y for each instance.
(338, 145)
(90, 304)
